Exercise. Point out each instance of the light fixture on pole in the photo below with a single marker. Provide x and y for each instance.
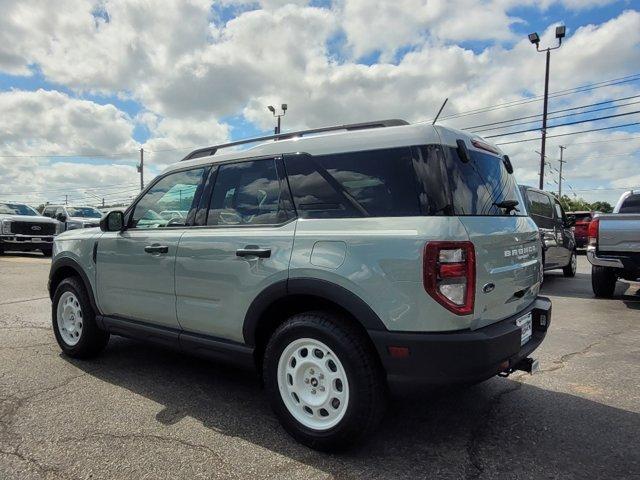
(272, 109)
(534, 38)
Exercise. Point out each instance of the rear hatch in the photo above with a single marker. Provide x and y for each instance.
(506, 240)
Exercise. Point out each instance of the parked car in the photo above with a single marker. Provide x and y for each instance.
(614, 245)
(335, 261)
(22, 229)
(73, 217)
(558, 242)
(581, 226)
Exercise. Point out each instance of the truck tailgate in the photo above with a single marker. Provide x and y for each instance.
(619, 232)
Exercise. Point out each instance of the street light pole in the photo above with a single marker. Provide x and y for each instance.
(272, 109)
(534, 38)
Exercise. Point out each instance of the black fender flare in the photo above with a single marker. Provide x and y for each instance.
(323, 289)
(66, 262)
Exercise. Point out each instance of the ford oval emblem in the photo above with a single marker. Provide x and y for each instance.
(36, 228)
(488, 288)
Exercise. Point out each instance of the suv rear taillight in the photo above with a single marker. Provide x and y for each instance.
(449, 275)
(592, 232)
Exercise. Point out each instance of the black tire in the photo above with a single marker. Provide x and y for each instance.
(570, 270)
(47, 252)
(366, 381)
(92, 339)
(603, 281)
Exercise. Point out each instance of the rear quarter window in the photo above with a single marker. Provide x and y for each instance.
(374, 183)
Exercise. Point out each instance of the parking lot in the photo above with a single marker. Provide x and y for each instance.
(144, 412)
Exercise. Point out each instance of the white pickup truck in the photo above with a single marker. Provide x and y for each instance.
(614, 245)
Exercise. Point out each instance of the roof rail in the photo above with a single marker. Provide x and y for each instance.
(207, 151)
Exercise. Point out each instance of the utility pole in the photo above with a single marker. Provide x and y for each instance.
(534, 38)
(560, 179)
(66, 199)
(141, 169)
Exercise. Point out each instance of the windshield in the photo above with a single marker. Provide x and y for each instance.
(482, 186)
(86, 212)
(17, 209)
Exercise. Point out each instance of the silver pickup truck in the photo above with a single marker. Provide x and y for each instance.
(614, 245)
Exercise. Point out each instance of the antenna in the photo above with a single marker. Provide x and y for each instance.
(440, 111)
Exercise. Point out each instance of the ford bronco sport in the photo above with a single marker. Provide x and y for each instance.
(335, 261)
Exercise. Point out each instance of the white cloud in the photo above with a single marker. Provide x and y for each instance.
(191, 72)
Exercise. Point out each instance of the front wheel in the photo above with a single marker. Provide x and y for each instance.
(324, 381)
(572, 267)
(74, 321)
(603, 281)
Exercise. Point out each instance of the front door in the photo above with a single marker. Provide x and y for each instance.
(135, 267)
(242, 246)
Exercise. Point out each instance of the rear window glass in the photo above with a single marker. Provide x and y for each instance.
(631, 204)
(374, 183)
(479, 185)
(540, 204)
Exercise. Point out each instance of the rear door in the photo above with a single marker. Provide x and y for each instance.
(135, 267)
(564, 236)
(242, 246)
(506, 242)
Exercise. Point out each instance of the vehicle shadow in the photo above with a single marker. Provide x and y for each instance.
(498, 429)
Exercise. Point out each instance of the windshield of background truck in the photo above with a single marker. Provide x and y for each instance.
(85, 212)
(477, 187)
(17, 209)
(631, 204)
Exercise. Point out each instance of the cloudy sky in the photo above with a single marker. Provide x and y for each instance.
(84, 84)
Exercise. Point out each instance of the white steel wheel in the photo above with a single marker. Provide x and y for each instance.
(313, 384)
(69, 318)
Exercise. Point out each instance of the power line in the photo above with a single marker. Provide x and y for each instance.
(550, 113)
(571, 133)
(71, 189)
(560, 93)
(564, 124)
(556, 116)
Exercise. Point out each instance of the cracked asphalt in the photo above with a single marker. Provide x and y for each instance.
(141, 412)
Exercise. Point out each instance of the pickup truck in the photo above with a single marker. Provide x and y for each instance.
(614, 245)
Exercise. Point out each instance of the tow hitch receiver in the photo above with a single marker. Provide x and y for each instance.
(529, 365)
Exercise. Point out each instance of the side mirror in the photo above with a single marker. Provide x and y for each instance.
(570, 221)
(112, 221)
(61, 217)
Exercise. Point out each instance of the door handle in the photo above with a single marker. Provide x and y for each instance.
(155, 248)
(252, 251)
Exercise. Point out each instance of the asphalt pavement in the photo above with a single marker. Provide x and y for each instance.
(142, 412)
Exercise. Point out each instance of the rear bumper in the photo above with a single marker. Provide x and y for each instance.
(465, 356)
(625, 261)
(25, 243)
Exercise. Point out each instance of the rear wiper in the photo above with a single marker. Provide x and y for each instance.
(508, 205)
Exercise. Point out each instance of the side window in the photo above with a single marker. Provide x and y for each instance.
(167, 203)
(540, 204)
(559, 212)
(247, 193)
(375, 183)
(47, 212)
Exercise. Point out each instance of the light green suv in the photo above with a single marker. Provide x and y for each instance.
(335, 261)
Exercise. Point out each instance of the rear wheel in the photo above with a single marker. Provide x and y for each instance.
(74, 321)
(570, 269)
(603, 281)
(324, 381)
